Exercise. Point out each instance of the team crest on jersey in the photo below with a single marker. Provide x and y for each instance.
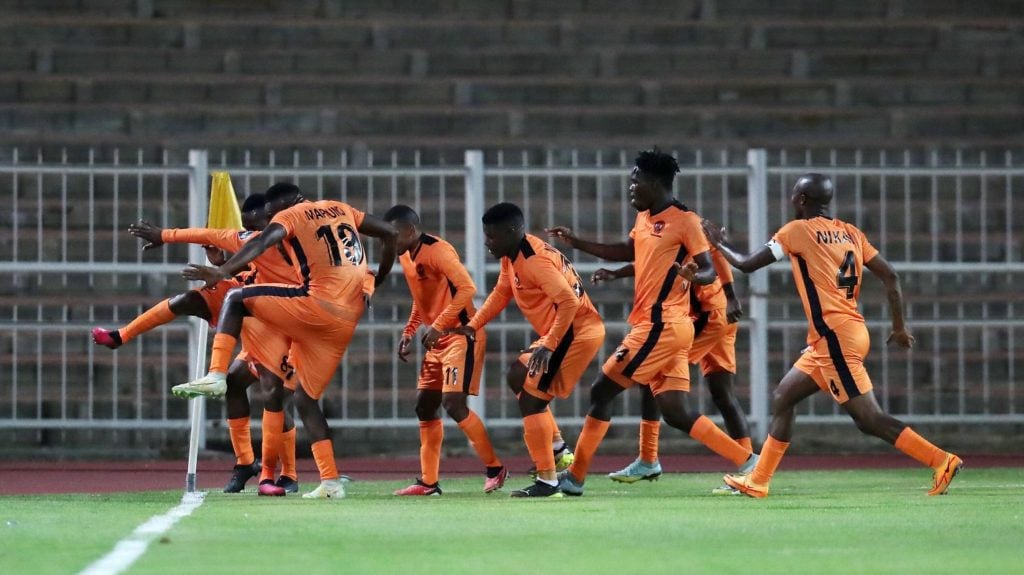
(658, 227)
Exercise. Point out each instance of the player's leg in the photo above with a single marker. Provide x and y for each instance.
(673, 400)
(428, 405)
(537, 435)
(229, 328)
(190, 303)
(515, 377)
(239, 379)
(273, 433)
(602, 394)
(796, 386)
(720, 384)
(646, 466)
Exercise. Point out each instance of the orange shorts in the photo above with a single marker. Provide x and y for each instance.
(214, 297)
(319, 334)
(836, 361)
(454, 365)
(653, 354)
(267, 347)
(714, 342)
(568, 362)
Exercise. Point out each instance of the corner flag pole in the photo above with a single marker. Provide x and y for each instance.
(224, 214)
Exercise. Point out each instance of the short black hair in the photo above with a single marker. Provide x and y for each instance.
(402, 214)
(658, 165)
(503, 213)
(254, 202)
(280, 189)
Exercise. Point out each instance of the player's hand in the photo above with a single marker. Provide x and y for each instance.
(562, 233)
(716, 235)
(733, 310)
(901, 338)
(429, 339)
(463, 330)
(603, 275)
(215, 255)
(148, 232)
(208, 274)
(688, 271)
(539, 360)
(403, 347)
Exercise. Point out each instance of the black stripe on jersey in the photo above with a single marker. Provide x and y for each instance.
(463, 315)
(525, 248)
(273, 291)
(555, 363)
(300, 255)
(644, 351)
(666, 287)
(701, 323)
(469, 366)
(835, 352)
(425, 240)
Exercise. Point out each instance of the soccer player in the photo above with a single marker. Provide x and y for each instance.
(319, 315)
(264, 354)
(656, 350)
(714, 309)
(442, 297)
(828, 256)
(550, 296)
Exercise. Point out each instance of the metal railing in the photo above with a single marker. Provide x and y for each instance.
(949, 230)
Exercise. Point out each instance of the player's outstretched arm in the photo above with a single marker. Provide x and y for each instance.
(884, 271)
(604, 274)
(621, 252)
(746, 263)
(238, 262)
(378, 228)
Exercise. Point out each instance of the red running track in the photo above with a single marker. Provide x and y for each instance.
(32, 477)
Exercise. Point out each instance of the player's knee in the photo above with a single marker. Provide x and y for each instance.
(426, 412)
(455, 406)
(780, 401)
(515, 376)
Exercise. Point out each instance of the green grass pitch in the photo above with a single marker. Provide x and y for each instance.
(814, 522)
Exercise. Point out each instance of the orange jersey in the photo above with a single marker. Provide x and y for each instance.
(547, 290)
(827, 258)
(272, 266)
(442, 289)
(322, 240)
(711, 297)
(659, 241)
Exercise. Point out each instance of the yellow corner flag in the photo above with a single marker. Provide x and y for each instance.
(224, 212)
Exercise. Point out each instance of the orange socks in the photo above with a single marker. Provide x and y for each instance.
(273, 426)
(287, 454)
(705, 431)
(649, 440)
(746, 443)
(431, 437)
(474, 429)
(591, 437)
(537, 433)
(919, 448)
(223, 350)
(323, 453)
(241, 440)
(153, 317)
(771, 455)
(556, 434)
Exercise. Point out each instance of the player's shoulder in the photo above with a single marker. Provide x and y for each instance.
(434, 247)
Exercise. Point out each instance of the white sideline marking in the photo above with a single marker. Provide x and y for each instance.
(129, 549)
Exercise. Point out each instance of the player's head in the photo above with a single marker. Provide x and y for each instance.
(254, 213)
(811, 194)
(651, 178)
(281, 196)
(504, 229)
(405, 220)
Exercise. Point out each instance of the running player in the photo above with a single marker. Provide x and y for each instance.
(442, 297)
(714, 310)
(827, 256)
(318, 316)
(550, 296)
(656, 350)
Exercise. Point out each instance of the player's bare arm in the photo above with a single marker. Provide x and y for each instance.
(238, 262)
(746, 263)
(733, 307)
(147, 232)
(387, 234)
(621, 252)
(604, 274)
(884, 271)
(700, 271)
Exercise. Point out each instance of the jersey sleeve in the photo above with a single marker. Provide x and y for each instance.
(868, 251)
(722, 267)
(357, 216)
(230, 240)
(692, 235)
(786, 241)
(446, 261)
(285, 219)
(496, 301)
(545, 273)
(415, 320)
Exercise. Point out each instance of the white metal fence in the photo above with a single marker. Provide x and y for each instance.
(948, 226)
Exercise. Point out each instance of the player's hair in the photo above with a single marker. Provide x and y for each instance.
(402, 214)
(503, 213)
(280, 189)
(658, 165)
(254, 202)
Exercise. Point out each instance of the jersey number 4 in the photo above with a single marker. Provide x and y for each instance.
(847, 275)
(344, 244)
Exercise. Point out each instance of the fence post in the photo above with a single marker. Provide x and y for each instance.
(757, 226)
(475, 248)
(198, 200)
